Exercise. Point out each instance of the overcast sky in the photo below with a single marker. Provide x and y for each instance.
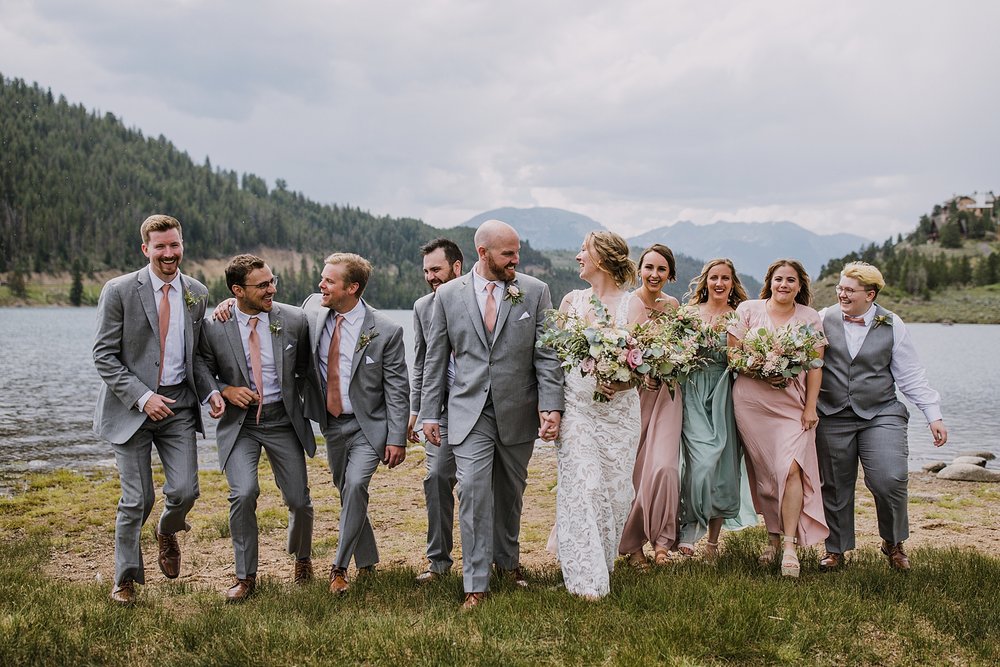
(840, 116)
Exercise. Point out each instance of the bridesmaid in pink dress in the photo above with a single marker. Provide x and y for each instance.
(656, 476)
(778, 425)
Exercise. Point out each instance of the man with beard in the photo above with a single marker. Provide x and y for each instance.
(260, 360)
(148, 326)
(506, 394)
(442, 263)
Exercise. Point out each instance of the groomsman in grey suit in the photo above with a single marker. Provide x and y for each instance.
(148, 326)
(442, 263)
(260, 360)
(359, 397)
(506, 394)
(870, 355)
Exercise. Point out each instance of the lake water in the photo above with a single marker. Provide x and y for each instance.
(48, 388)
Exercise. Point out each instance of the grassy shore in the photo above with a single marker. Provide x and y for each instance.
(55, 578)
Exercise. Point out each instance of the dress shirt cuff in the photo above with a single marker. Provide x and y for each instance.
(214, 392)
(141, 403)
(932, 413)
(430, 421)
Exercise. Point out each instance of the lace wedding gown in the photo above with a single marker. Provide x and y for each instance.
(596, 455)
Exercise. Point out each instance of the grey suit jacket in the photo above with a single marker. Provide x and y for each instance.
(523, 379)
(423, 313)
(379, 387)
(222, 349)
(127, 350)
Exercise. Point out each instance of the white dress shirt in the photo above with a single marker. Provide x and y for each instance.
(480, 283)
(173, 371)
(350, 331)
(908, 374)
(269, 371)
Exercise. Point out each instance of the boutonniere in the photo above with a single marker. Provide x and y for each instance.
(192, 300)
(275, 327)
(365, 338)
(882, 319)
(513, 294)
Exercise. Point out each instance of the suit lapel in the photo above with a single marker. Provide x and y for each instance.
(359, 352)
(503, 311)
(188, 327)
(232, 329)
(472, 304)
(277, 351)
(146, 297)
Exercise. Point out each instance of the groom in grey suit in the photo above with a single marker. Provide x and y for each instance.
(359, 398)
(148, 326)
(506, 394)
(260, 360)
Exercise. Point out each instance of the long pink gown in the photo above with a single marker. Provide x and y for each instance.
(653, 517)
(769, 422)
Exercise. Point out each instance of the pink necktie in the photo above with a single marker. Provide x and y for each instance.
(164, 317)
(334, 403)
(855, 320)
(490, 316)
(255, 365)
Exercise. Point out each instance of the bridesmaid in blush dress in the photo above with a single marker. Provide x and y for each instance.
(656, 477)
(778, 425)
(714, 487)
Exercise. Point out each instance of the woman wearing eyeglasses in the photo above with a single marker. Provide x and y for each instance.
(870, 354)
(777, 420)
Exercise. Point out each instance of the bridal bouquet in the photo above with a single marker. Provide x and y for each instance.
(609, 352)
(786, 353)
(673, 346)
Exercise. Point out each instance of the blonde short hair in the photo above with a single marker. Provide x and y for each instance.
(357, 269)
(866, 274)
(159, 223)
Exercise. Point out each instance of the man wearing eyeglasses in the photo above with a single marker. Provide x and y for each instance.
(870, 355)
(260, 362)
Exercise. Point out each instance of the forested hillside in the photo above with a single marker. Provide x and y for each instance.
(75, 184)
(950, 247)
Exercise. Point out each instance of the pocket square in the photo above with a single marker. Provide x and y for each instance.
(369, 360)
(524, 316)
(290, 346)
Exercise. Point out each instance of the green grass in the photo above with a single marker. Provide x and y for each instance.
(943, 611)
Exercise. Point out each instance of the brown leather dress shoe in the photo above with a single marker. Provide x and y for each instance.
(473, 600)
(515, 577)
(242, 589)
(896, 555)
(124, 595)
(338, 581)
(170, 554)
(427, 576)
(831, 561)
(303, 570)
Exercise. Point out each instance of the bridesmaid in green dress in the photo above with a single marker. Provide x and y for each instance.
(714, 487)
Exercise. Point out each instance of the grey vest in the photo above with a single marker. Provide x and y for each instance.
(864, 383)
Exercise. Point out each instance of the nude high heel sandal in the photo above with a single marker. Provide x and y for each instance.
(789, 561)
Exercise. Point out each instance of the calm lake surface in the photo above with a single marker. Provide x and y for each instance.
(48, 388)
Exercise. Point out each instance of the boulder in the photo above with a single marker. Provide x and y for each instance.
(989, 456)
(966, 472)
(934, 467)
(972, 460)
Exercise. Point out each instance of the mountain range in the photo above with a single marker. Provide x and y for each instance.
(751, 245)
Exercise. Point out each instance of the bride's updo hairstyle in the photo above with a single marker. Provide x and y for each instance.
(611, 253)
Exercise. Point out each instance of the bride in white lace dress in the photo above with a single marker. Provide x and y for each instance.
(597, 447)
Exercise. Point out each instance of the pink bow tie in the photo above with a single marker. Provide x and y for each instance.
(855, 320)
